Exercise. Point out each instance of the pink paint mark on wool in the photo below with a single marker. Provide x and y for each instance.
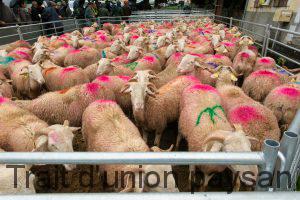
(23, 54)
(218, 56)
(198, 55)
(192, 78)
(92, 88)
(245, 55)
(103, 78)
(105, 102)
(53, 137)
(3, 100)
(202, 87)
(149, 59)
(265, 60)
(228, 44)
(19, 60)
(117, 59)
(75, 51)
(178, 55)
(252, 48)
(69, 69)
(265, 73)
(234, 40)
(288, 91)
(103, 37)
(67, 46)
(244, 114)
(124, 78)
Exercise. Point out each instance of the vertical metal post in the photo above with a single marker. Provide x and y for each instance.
(267, 41)
(99, 21)
(266, 35)
(76, 24)
(54, 28)
(265, 175)
(230, 23)
(42, 25)
(287, 148)
(19, 32)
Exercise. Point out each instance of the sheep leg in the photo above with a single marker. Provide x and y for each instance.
(237, 183)
(179, 138)
(157, 139)
(145, 136)
(207, 178)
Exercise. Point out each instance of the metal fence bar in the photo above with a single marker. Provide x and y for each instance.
(179, 158)
(267, 30)
(281, 55)
(159, 196)
(295, 168)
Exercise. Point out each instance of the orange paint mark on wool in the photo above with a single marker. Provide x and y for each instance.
(244, 115)
(49, 70)
(63, 91)
(92, 88)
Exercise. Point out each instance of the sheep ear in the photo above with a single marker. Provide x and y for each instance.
(238, 127)
(233, 77)
(125, 89)
(66, 123)
(254, 141)
(73, 129)
(215, 75)
(41, 144)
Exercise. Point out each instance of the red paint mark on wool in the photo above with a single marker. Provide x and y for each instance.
(228, 44)
(265, 73)
(105, 102)
(265, 60)
(124, 78)
(117, 59)
(245, 55)
(218, 56)
(92, 88)
(149, 59)
(103, 78)
(75, 51)
(3, 100)
(135, 37)
(291, 92)
(202, 87)
(244, 114)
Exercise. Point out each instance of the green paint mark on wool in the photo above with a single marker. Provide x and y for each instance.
(132, 65)
(211, 112)
(6, 60)
(103, 54)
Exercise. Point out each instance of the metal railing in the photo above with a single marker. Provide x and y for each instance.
(286, 155)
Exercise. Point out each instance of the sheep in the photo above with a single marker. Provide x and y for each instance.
(284, 101)
(99, 121)
(107, 67)
(152, 108)
(226, 48)
(243, 62)
(115, 84)
(264, 63)
(21, 53)
(15, 64)
(89, 30)
(259, 83)
(27, 80)
(58, 78)
(135, 52)
(191, 64)
(20, 43)
(55, 107)
(199, 128)
(257, 120)
(117, 48)
(21, 131)
(199, 48)
(58, 55)
(218, 59)
(82, 57)
(6, 89)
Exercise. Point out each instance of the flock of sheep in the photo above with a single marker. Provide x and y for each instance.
(124, 82)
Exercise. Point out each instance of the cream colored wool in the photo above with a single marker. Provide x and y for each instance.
(82, 57)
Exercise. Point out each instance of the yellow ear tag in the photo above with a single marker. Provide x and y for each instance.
(233, 78)
(215, 75)
(293, 80)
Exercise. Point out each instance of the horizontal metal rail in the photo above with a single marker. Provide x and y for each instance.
(176, 158)
(159, 196)
(283, 56)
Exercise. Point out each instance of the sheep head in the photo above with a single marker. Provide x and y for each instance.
(3, 53)
(104, 66)
(188, 64)
(117, 46)
(135, 52)
(221, 49)
(56, 138)
(171, 49)
(161, 41)
(34, 74)
(41, 55)
(226, 74)
(143, 76)
(246, 41)
(234, 141)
